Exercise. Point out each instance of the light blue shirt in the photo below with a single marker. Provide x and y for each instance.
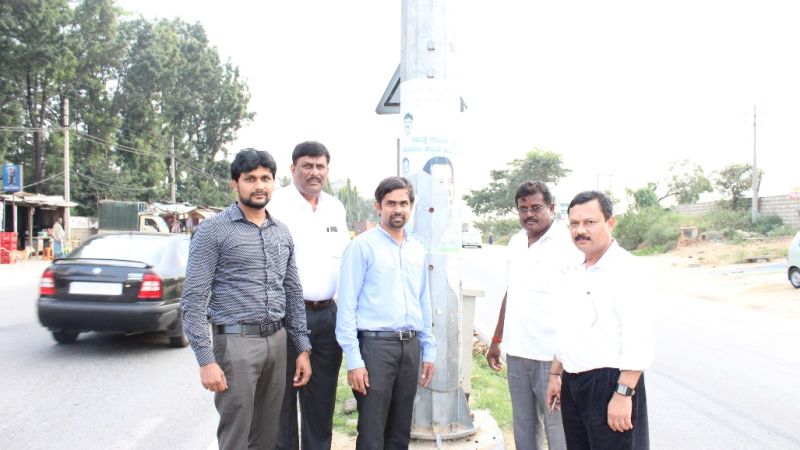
(383, 286)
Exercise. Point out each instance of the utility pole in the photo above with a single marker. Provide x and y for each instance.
(429, 109)
(66, 169)
(754, 211)
(172, 171)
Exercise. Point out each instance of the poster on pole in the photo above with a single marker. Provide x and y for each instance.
(429, 158)
(12, 177)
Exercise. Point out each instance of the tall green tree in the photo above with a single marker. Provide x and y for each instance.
(733, 181)
(644, 197)
(498, 197)
(687, 181)
(36, 61)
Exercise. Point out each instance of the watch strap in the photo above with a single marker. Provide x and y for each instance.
(624, 390)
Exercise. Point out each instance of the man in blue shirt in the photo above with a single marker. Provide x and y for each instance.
(384, 320)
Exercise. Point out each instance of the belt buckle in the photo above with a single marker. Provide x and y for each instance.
(263, 328)
(405, 335)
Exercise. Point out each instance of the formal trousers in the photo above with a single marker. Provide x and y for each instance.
(255, 368)
(584, 409)
(527, 384)
(384, 414)
(318, 397)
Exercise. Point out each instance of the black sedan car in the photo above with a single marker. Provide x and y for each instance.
(120, 283)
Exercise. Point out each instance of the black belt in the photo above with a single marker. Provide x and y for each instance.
(321, 304)
(405, 335)
(250, 329)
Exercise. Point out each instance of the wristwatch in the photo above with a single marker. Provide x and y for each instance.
(624, 390)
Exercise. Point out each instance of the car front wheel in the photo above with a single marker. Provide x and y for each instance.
(65, 337)
(794, 277)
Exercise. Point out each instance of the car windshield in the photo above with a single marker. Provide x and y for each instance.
(147, 249)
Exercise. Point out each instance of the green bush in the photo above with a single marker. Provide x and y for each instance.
(765, 224)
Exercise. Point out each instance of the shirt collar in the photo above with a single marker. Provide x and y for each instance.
(234, 214)
(609, 257)
(301, 201)
(389, 236)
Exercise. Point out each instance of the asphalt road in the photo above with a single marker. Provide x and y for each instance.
(724, 375)
(103, 392)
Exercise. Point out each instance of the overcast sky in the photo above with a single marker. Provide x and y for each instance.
(620, 88)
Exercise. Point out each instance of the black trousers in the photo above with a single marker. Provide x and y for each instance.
(318, 397)
(384, 414)
(584, 411)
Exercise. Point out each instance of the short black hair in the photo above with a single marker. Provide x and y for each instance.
(392, 184)
(250, 159)
(408, 116)
(586, 196)
(533, 187)
(437, 160)
(310, 148)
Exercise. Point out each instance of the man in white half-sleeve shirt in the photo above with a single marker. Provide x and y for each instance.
(538, 258)
(318, 225)
(605, 337)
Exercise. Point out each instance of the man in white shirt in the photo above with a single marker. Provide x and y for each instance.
(317, 222)
(605, 337)
(538, 257)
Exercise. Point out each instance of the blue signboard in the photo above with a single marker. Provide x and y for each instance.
(12, 177)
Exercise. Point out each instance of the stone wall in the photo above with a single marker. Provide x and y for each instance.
(783, 206)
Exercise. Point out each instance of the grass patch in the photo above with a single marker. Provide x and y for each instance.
(344, 423)
(489, 392)
(490, 389)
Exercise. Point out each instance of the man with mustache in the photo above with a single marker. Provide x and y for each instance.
(384, 320)
(319, 229)
(538, 257)
(245, 260)
(605, 337)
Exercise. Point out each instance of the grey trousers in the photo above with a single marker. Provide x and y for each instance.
(255, 368)
(527, 383)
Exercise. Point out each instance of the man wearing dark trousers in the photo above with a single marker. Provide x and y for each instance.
(245, 260)
(319, 229)
(605, 337)
(384, 320)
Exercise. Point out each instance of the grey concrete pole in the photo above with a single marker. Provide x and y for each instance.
(67, 227)
(440, 410)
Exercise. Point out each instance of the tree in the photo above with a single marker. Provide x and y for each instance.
(734, 180)
(645, 197)
(686, 183)
(357, 208)
(136, 89)
(36, 61)
(498, 197)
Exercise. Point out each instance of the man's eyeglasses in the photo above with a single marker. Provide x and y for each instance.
(524, 210)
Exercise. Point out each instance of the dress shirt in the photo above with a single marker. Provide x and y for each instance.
(534, 274)
(251, 274)
(320, 237)
(606, 319)
(383, 286)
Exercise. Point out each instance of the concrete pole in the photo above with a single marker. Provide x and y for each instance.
(440, 411)
(172, 172)
(66, 172)
(754, 203)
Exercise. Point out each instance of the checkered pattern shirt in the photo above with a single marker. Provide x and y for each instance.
(251, 274)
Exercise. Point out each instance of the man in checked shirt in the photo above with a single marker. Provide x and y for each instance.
(246, 260)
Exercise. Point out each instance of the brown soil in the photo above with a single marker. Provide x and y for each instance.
(717, 271)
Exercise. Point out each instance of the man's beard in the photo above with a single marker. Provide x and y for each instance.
(253, 203)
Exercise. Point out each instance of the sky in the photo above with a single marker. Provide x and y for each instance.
(620, 89)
